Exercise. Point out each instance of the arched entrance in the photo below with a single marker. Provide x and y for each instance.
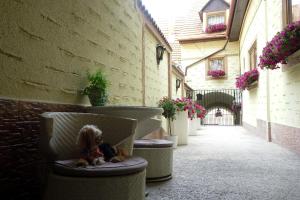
(219, 116)
(224, 106)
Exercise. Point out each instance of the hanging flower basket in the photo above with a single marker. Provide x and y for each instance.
(216, 73)
(215, 28)
(283, 44)
(246, 80)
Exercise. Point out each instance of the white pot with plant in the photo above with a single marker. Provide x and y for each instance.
(169, 113)
(180, 124)
(195, 113)
(97, 89)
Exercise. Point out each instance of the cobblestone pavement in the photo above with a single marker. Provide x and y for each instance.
(228, 163)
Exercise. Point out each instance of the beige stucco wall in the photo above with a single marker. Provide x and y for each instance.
(196, 76)
(156, 78)
(178, 93)
(47, 46)
(284, 98)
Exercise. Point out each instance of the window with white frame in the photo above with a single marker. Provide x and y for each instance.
(215, 19)
(295, 10)
(216, 64)
(291, 11)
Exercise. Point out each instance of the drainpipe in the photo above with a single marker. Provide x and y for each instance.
(268, 121)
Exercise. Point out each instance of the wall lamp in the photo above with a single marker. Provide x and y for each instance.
(178, 82)
(160, 49)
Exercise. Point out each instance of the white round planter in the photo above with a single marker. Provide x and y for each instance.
(174, 139)
(180, 127)
(193, 126)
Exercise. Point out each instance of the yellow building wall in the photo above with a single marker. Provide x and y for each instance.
(178, 93)
(283, 87)
(156, 79)
(254, 100)
(46, 48)
(196, 76)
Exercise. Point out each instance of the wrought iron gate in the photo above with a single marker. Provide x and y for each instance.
(224, 106)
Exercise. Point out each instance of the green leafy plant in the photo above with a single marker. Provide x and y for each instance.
(169, 107)
(97, 88)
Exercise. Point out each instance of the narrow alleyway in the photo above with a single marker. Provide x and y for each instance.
(227, 163)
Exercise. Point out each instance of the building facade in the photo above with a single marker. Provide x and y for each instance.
(271, 109)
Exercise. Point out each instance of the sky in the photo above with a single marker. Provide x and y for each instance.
(166, 9)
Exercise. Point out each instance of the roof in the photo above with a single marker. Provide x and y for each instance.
(187, 86)
(191, 27)
(214, 5)
(236, 17)
(177, 69)
(204, 37)
(152, 21)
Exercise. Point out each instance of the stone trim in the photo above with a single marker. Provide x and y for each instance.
(19, 146)
(283, 135)
(286, 136)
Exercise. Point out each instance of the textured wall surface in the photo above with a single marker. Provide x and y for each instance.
(284, 98)
(156, 79)
(47, 46)
(176, 93)
(20, 163)
(196, 76)
(254, 100)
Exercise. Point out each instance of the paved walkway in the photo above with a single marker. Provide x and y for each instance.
(226, 163)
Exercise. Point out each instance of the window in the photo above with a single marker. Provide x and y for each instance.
(215, 19)
(253, 56)
(291, 11)
(216, 64)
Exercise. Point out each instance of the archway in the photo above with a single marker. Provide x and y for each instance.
(228, 102)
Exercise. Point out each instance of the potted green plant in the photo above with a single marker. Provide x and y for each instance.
(169, 107)
(97, 88)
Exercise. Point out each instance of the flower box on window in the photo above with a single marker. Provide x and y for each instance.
(216, 73)
(293, 59)
(248, 80)
(283, 45)
(215, 28)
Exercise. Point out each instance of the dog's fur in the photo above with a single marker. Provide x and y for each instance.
(88, 140)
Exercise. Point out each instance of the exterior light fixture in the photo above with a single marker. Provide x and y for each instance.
(178, 82)
(160, 49)
(199, 97)
(218, 113)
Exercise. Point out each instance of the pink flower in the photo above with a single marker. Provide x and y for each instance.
(216, 73)
(283, 44)
(216, 28)
(247, 79)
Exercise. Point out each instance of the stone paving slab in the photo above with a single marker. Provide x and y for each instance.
(229, 163)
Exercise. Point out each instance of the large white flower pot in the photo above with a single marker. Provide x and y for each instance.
(180, 127)
(174, 139)
(193, 126)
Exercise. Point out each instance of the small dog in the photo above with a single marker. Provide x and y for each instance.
(89, 139)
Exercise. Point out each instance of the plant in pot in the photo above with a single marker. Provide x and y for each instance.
(246, 80)
(216, 73)
(169, 112)
(97, 88)
(196, 112)
(283, 45)
(180, 124)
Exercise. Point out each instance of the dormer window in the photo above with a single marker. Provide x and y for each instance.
(214, 16)
(215, 22)
(216, 19)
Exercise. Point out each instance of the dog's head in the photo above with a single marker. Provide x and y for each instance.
(89, 136)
